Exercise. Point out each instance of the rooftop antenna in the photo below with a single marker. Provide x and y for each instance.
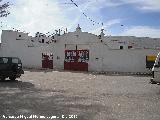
(56, 31)
(59, 31)
(102, 26)
(66, 30)
(1, 24)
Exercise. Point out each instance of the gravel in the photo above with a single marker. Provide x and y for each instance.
(68, 95)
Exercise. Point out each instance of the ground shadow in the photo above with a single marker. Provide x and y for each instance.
(15, 84)
(22, 98)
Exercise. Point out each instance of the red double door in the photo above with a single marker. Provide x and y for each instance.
(76, 60)
(47, 61)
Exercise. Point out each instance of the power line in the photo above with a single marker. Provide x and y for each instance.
(93, 21)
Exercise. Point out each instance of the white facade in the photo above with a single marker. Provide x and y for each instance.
(17, 44)
(106, 53)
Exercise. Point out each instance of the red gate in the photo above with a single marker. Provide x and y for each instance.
(76, 60)
(47, 60)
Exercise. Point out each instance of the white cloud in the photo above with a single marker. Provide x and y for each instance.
(37, 15)
(47, 15)
(142, 31)
(94, 5)
(106, 25)
(112, 22)
(146, 5)
(77, 16)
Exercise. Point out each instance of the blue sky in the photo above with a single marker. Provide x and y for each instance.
(138, 17)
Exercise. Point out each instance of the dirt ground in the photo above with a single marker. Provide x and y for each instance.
(63, 95)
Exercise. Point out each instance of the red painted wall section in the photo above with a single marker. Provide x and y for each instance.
(47, 61)
(76, 60)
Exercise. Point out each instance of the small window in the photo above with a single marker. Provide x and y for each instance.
(42, 40)
(3, 60)
(129, 47)
(121, 47)
(15, 60)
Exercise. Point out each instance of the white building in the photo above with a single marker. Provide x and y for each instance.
(80, 51)
(28, 49)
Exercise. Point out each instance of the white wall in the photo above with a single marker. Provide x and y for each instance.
(31, 56)
(106, 56)
(104, 53)
(126, 60)
(95, 57)
(69, 42)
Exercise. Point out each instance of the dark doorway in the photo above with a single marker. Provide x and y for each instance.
(47, 60)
